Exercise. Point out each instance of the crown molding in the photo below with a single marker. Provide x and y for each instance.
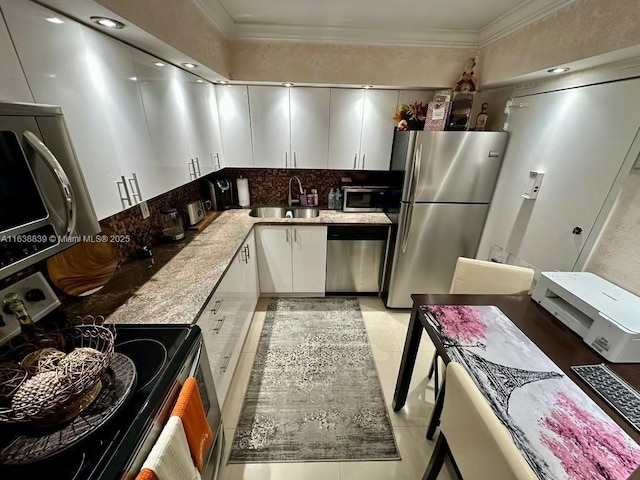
(216, 13)
(518, 18)
(440, 38)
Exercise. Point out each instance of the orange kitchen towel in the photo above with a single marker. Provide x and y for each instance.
(146, 474)
(194, 419)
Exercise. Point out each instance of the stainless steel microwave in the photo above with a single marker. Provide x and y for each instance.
(364, 199)
(44, 203)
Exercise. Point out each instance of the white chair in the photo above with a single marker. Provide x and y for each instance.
(482, 277)
(473, 436)
(479, 276)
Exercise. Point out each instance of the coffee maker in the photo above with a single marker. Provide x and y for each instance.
(221, 190)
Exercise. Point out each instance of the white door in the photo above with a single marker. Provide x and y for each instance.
(269, 107)
(377, 129)
(235, 125)
(309, 109)
(345, 128)
(579, 139)
(273, 244)
(91, 77)
(165, 104)
(309, 254)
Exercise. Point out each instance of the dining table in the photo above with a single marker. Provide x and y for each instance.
(520, 356)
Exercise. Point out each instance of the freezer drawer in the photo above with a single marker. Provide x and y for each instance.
(430, 239)
(355, 258)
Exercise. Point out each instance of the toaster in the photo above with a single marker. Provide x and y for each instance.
(194, 212)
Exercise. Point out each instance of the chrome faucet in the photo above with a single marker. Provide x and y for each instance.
(293, 200)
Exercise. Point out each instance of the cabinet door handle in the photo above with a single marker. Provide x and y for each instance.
(135, 188)
(248, 255)
(363, 158)
(127, 196)
(198, 164)
(217, 163)
(225, 363)
(217, 305)
(286, 160)
(287, 234)
(192, 170)
(295, 235)
(220, 323)
(355, 160)
(295, 160)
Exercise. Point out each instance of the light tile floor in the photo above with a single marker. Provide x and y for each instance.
(387, 330)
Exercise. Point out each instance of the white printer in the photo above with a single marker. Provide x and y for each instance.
(606, 316)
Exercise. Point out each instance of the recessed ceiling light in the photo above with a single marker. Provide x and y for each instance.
(54, 20)
(288, 84)
(189, 65)
(160, 64)
(200, 81)
(367, 86)
(134, 79)
(222, 82)
(559, 70)
(107, 22)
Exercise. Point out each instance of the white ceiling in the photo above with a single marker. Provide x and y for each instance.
(461, 23)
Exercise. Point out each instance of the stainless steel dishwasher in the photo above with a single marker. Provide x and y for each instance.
(356, 258)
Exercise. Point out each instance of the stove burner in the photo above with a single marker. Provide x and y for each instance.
(149, 356)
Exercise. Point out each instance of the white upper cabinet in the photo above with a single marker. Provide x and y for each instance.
(13, 85)
(309, 115)
(203, 126)
(270, 126)
(377, 129)
(235, 125)
(345, 128)
(290, 126)
(361, 129)
(92, 78)
(164, 95)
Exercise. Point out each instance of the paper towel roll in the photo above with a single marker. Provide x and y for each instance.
(243, 192)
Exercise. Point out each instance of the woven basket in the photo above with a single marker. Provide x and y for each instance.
(76, 383)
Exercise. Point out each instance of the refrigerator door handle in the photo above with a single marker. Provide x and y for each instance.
(406, 228)
(416, 173)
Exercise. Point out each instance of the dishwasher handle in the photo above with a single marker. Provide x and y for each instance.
(357, 232)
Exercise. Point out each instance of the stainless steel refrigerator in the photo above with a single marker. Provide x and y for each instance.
(448, 184)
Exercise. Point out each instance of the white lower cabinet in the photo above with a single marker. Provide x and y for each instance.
(226, 318)
(292, 259)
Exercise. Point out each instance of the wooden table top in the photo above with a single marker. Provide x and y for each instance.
(560, 344)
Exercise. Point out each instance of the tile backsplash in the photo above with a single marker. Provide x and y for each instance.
(271, 186)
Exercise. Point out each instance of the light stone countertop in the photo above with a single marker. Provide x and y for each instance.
(178, 291)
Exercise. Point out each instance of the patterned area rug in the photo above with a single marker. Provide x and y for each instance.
(314, 392)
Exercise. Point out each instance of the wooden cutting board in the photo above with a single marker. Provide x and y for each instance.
(84, 268)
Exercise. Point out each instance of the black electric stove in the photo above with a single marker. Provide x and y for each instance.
(158, 353)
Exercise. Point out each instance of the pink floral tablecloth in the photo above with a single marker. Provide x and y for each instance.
(561, 432)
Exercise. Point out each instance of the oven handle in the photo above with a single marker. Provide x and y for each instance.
(196, 361)
(65, 186)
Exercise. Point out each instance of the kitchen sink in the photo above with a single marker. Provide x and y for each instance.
(281, 212)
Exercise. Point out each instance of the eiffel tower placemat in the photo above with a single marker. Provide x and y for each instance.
(561, 432)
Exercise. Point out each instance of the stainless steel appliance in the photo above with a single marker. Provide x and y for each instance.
(221, 193)
(448, 184)
(164, 357)
(194, 212)
(172, 227)
(44, 201)
(355, 258)
(363, 199)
